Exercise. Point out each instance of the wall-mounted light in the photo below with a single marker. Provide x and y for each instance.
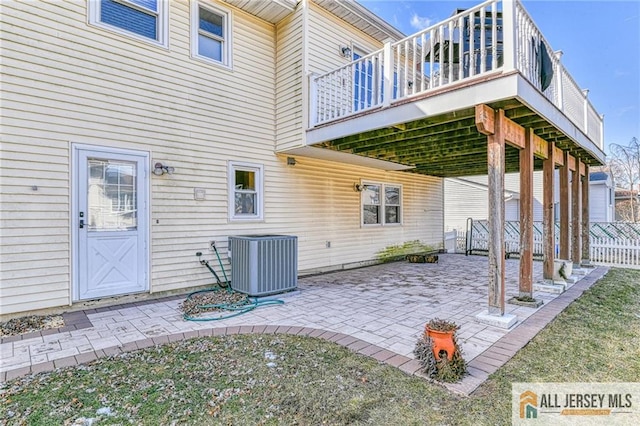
(358, 187)
(346, 52)
(291, 161)
(159, 169)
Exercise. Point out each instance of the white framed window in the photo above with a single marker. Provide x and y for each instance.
(381, 204)
(211, 33)
(146, 20)
(246, 193)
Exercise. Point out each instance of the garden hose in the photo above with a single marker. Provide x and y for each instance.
(238, 308)
(235, 309)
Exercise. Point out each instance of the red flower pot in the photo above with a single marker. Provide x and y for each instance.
(442, 341)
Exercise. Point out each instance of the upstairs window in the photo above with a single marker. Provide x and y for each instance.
(146, 20)
(381, 204)
(210, 34)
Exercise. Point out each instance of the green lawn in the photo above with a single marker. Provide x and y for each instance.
(278, 379)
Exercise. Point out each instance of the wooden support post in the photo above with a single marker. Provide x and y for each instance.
(586, 238)
(526, 215)
(576, 213)
(548, 219)
(495, 163)
(564, 208)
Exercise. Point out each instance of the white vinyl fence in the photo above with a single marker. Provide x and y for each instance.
(611, 244)
(615, 252)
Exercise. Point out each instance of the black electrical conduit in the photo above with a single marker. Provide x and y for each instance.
(243, 306)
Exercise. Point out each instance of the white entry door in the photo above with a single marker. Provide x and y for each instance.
(111, 223)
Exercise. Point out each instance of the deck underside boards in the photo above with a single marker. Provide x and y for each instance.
(449, 145)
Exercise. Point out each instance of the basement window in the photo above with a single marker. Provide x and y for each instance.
(381, 204)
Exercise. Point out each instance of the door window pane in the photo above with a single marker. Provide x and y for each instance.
(111, 196)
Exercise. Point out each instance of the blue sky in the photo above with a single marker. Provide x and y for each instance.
(600, 41)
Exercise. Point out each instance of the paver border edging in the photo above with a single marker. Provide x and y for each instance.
(495, 356)
(405, 364)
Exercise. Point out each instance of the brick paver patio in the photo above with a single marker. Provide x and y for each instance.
(378, 311)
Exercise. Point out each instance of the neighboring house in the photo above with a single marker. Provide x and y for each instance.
(135, 133)
(467, 198)
(601, 197)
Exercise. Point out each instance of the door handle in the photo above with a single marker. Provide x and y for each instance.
(81, 223)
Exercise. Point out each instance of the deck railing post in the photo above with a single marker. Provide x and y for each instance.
(559, 89)
(601, 141)
(510, 40)
(313, 100)
(388, 74)
(585, 123)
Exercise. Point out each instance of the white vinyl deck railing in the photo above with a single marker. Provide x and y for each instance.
(497, 36)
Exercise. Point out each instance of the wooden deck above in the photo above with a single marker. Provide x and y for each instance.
(439, 139)
(412, 104)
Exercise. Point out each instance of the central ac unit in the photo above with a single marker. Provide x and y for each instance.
(264, 264)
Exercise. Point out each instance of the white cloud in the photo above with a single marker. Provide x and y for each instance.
(420, 22)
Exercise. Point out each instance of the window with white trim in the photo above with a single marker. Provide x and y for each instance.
(381, 204)
(245, 191)
(211, 33)
(146, 20)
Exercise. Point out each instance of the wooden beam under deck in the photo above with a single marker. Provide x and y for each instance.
(558, 156)
(576, 213)
(495, 165)
(526, 215)
(513, 133)
(585, 227)
(548, 220)
(540, 149)
(564, 210)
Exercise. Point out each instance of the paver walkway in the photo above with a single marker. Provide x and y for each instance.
(378, 311)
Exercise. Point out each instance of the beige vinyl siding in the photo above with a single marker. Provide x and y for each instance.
(326, 34)
(68, 82)
(289, 82)
(316, 201)
(323, 34)
(462, 201)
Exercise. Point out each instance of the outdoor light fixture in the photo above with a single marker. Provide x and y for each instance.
(291, 161)
(346, 51)
(358, 187)
(159, 169)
